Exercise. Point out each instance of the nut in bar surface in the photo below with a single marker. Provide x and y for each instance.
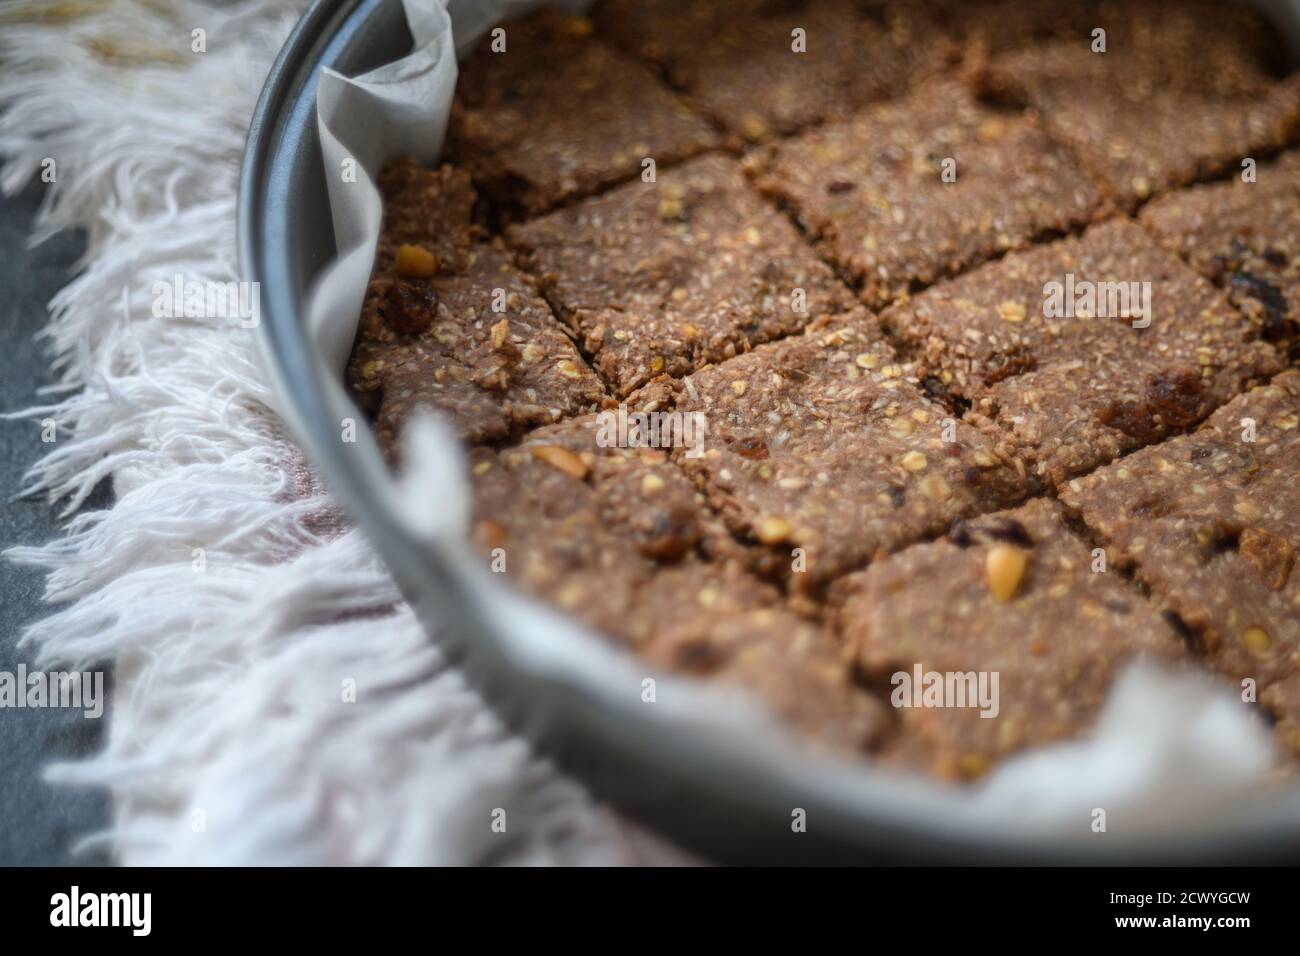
(909, 192)
(1074, 384)
(1244, 237)
(822, 442)
(664, 277)
(777, 66)
(560, 113)
(1211, 522)
(1011, 599)
(450, 324)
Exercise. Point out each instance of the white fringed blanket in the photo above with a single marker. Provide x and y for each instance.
(237, 606)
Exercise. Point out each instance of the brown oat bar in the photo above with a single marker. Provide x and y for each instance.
(1245, 237)
(1211, 522)
(619, 538)
(661, 278)
(994, 26)
(431, 333)
(737, 59)
(1012, 594)
(1225, 36)
(1150, 114)
(871, 190)
(560, 113)
(615, 535)
(822, 442)
(792, 664)
(1076, 390)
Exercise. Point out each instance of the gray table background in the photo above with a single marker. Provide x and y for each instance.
(39, 823)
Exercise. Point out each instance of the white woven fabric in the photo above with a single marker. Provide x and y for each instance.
(230, 740)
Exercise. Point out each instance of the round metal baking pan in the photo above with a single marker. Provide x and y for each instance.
(729, 803)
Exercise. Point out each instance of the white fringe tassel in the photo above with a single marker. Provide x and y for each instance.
(230, 740)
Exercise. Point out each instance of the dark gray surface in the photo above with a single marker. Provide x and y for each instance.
(39, 822)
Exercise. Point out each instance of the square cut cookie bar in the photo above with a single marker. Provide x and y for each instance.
(993, 26)
(871, 191)
(1151, 113)
(450, 324)
(1011, 594)
(1211, 521)
(618, 537)
(746, 65)
(795, 665)
(1244, 237)
(560, 113)
(661, 278)
(823, 443)
(1039, 343)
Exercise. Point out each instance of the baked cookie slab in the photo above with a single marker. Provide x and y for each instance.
(1244, 237)
(615, 535)
(1068, 374)
(1009, 600)
(1211, 522)
(746, 64)
(448, 323)
(794, 665)
(559, 113)
(823, 442)
(1149, 115)
(664, 277)
(995, 26)
(619, 538)
(872, 191)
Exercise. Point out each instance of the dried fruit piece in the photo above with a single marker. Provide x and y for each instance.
(409, 306)
(490, 534)
(1173, 401)
(1271, 554)
(666, 535)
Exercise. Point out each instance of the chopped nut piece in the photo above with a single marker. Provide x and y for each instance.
(1005, 566)
(1256, 640)
(774, 530)
(561, 459)
(415, 262)
(1012, 311)
(500, 334)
